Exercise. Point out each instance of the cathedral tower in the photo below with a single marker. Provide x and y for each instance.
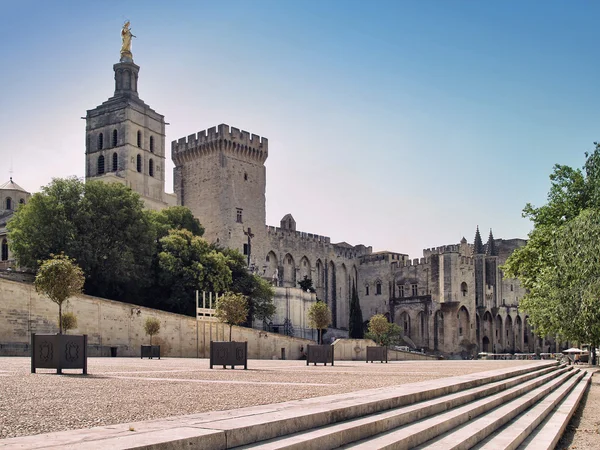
(125, 138)
(220, 175)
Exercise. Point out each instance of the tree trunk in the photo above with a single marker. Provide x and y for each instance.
(150, 339)
(60, 318)
(230, 327)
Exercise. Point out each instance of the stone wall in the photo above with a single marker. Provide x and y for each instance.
(114, 324)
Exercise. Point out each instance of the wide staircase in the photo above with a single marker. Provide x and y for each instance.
(516, 409)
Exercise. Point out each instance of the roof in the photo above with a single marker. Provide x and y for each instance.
(12, 186)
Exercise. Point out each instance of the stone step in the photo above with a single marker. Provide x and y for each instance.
(548, 433)
(421, 431)
(339, 434)
(515, 432)
(471, 433)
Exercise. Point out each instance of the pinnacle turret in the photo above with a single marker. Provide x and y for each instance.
(478, 244)
(491, 246)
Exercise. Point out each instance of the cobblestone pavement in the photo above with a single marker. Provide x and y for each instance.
(121, 390)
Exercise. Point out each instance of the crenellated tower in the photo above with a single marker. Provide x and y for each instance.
(125, 138)
(220, 175)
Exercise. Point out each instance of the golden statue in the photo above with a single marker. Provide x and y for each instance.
(126, 47)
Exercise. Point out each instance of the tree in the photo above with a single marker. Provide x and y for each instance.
(382, 331)
(69, 321)
(174, 218)
(306, 284)
(59, 278)
(101, 225)
(231, 309)
(319, 318)
(152, 327)
(378, 328)
(188, 263)
(259, 292)
(558, 266)
(356, 318)
(261, 298)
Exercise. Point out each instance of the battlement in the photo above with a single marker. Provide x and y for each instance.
(277, 231)
(455, 248)
(383, 257)
(225, 137)
(414, 262)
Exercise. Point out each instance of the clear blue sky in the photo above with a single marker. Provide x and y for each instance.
(400, 124)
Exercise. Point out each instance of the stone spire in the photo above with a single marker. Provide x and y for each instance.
(478, 245)
(491, 246)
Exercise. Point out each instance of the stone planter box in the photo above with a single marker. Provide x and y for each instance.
(377, 354)
(228, 354)
(58, 351)
(321, 354)
(151, 351)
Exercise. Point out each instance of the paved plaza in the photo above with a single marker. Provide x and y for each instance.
(124, 390)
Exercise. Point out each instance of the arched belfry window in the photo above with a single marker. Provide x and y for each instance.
(115, 138)
(152, 144)
(100, 141)
(151, 168)
(9, 203)
(139, 139)
(4, 249)
(115, 162)
(139, 163)
(100, 165)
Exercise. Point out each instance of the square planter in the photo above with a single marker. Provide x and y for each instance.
(58, 351)
(321, 354)
(228, 354)
(377, 354)
(151, 351)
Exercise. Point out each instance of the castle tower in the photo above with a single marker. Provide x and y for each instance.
(125, 138)
(220, 175)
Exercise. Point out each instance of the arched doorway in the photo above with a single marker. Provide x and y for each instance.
(4, 250)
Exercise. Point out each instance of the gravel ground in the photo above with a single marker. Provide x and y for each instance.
(121, 390)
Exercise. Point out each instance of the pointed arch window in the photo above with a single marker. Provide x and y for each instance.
(139, 139)
(151, 144)
(100, 165)
(4, 250)
(115, 138)
(151, 168)
(139, 163)
(115, 162)
(100, 141)
(9, 203)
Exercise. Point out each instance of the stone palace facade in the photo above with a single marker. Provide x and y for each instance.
(453, 300)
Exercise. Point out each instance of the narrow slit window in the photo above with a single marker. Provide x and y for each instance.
(139, 163)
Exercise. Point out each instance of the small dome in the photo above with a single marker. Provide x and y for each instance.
(12, 186)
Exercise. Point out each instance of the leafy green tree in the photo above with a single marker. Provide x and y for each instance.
(47, 224)
(558, 266)
(188, 263)
(356, 318)
(261, 299)
(174, 218)
(382, 331)
(231, 309)
(306, 284)
(378, 328)
(319, 318)
(59, 278)
(68, 321)
(152, 327)
(258, 291)
(115, 241)
(101, 225)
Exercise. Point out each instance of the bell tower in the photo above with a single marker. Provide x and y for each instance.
(125, 138)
